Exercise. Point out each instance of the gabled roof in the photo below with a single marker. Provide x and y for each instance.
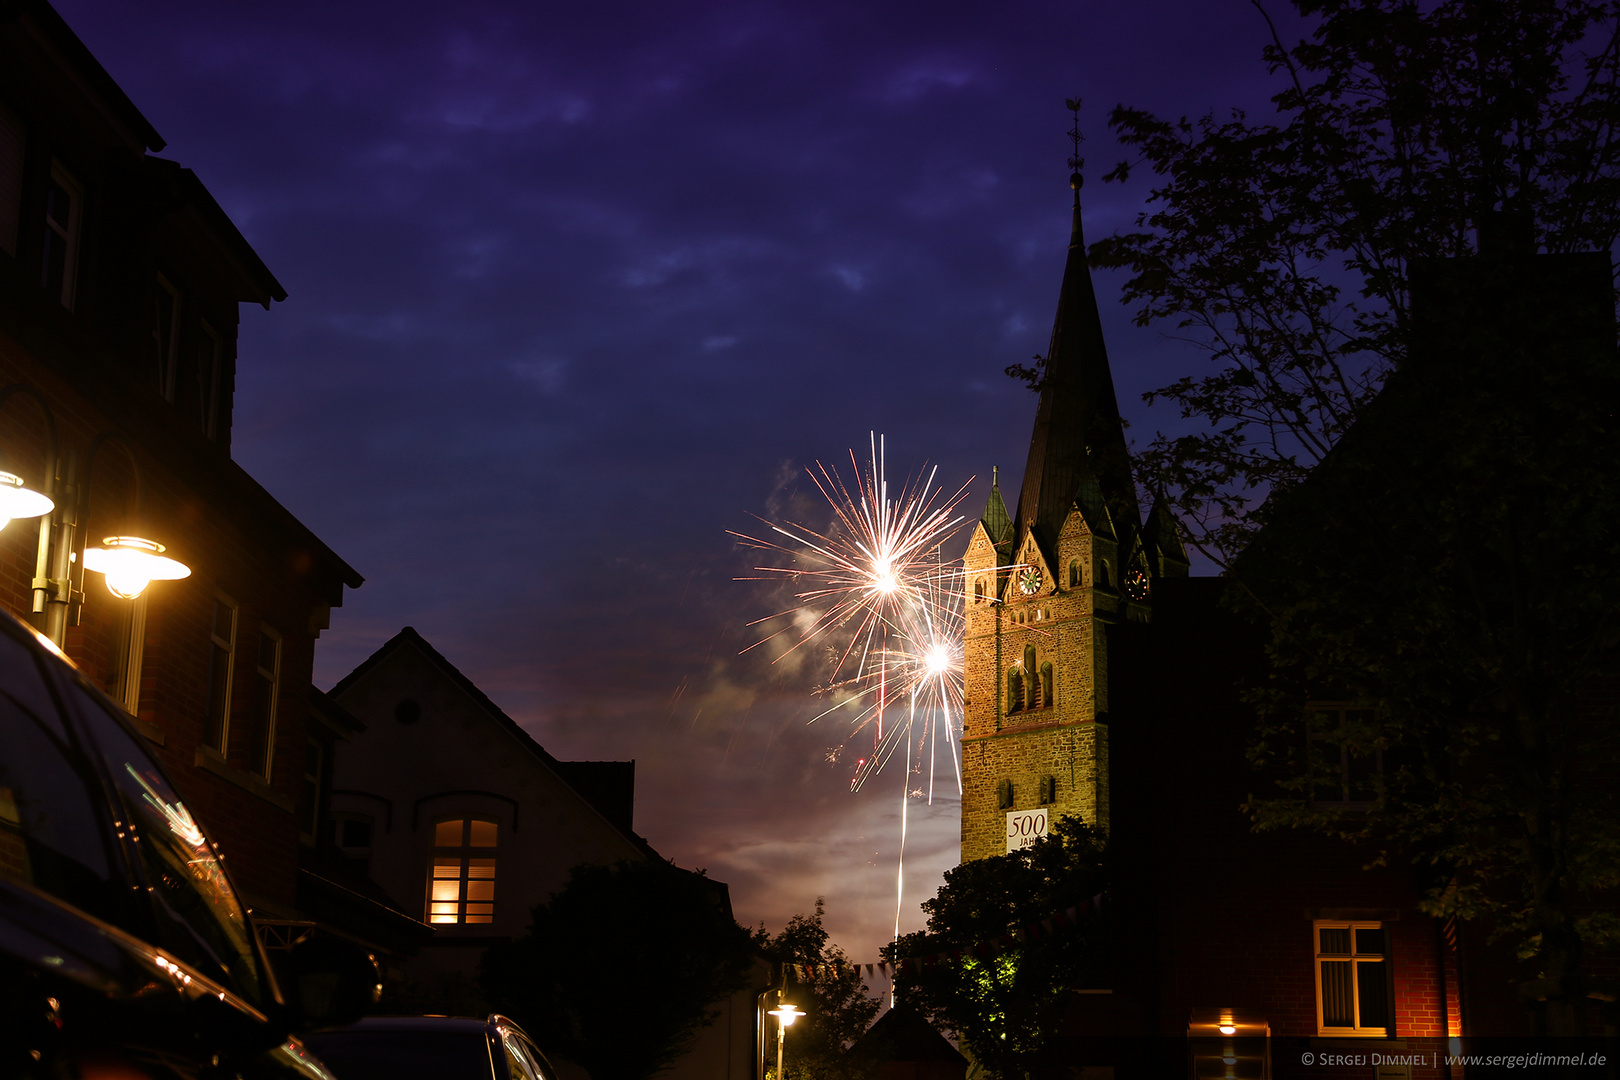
(904, 1034)
(1077, 452)
(41, 22)
(563, 770)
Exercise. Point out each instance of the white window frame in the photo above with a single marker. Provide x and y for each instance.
(131, 652)
(68, 231)
(168, 353)
(223, 744)
(267, 722)
(13, 145)
(1336, 710)
(1356, 960)
(209, 349)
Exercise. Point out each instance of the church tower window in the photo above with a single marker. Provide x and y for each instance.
(1047, 700)
(1074, 573)
(1015, 690)
(1035, 700)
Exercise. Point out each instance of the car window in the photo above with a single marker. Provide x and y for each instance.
(53, 832)
(535, 1062)
(199, 917)
(517, 1063)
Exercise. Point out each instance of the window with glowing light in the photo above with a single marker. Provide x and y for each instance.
(1352, 978)
(221, 660)
(461, 885)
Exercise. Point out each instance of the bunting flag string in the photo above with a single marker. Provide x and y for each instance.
(1053, 925)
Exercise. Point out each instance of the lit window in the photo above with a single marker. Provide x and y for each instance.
(1345, 760)
(221, 651)
(462, 886)
(1352, 978)
(267, 677)
(165, 336)
(63, 209)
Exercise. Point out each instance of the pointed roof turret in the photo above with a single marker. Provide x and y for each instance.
(996, 522)
(1077, 454)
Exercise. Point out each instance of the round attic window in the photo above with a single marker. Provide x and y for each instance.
(408, 711)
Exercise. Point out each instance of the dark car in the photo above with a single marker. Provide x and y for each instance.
(124, 948)
(431, 1048)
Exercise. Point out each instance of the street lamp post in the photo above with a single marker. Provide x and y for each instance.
(785, 1015)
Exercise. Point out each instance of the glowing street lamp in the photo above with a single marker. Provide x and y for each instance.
(785, 1015)
(18, 501)
(131, 563)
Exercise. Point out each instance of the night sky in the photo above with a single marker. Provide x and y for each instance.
(576, 288)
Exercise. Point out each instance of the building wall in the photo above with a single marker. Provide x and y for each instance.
(90, 353)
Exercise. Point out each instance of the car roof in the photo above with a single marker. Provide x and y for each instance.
(429, 1023)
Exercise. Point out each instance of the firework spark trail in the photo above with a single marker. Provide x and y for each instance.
(879, 575)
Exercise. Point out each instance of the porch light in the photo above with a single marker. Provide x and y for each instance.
(131, 563)
(17, 501)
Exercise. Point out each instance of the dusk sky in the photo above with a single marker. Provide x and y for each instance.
(576, 288)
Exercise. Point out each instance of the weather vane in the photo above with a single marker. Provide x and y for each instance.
(1076, 162)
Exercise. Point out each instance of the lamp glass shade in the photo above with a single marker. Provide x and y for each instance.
(17, 501)
(131, 563)
(786, 1014)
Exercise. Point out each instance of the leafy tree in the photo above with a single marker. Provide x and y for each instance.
(1283, 249)
(1453, 566)
(597, 948)
(837, 1007)
(1451, 561)
(1004, 1007)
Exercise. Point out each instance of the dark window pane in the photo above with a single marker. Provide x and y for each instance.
(219, 670)
(1336, 998)
(355, 834)
(1335, 940)
(1372, 993)
(1363, 770)
(222, 621)
(52, 816)
(1370, 941)
(403, 1055)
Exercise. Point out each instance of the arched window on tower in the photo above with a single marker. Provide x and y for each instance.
(1074, 573)
(1035, 701)
(1015, 690)
(1047, 700)
(978, 590)
(1105, 576)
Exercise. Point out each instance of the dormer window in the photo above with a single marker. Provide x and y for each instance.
(462, 887)
(64, 201)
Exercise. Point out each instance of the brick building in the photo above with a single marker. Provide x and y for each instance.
(120, 281)
(1102, 681)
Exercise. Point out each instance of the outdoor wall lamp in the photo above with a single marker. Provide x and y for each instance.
(785, 1015)
(128, 562)
(20, 501)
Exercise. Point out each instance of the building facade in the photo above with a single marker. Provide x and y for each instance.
(120, 283)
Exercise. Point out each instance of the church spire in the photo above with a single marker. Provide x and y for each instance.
(1077, 453)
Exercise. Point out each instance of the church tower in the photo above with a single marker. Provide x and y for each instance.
(1043, 587)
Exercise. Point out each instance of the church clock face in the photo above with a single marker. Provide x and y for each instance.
(1137, 585)
(1029, 581)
